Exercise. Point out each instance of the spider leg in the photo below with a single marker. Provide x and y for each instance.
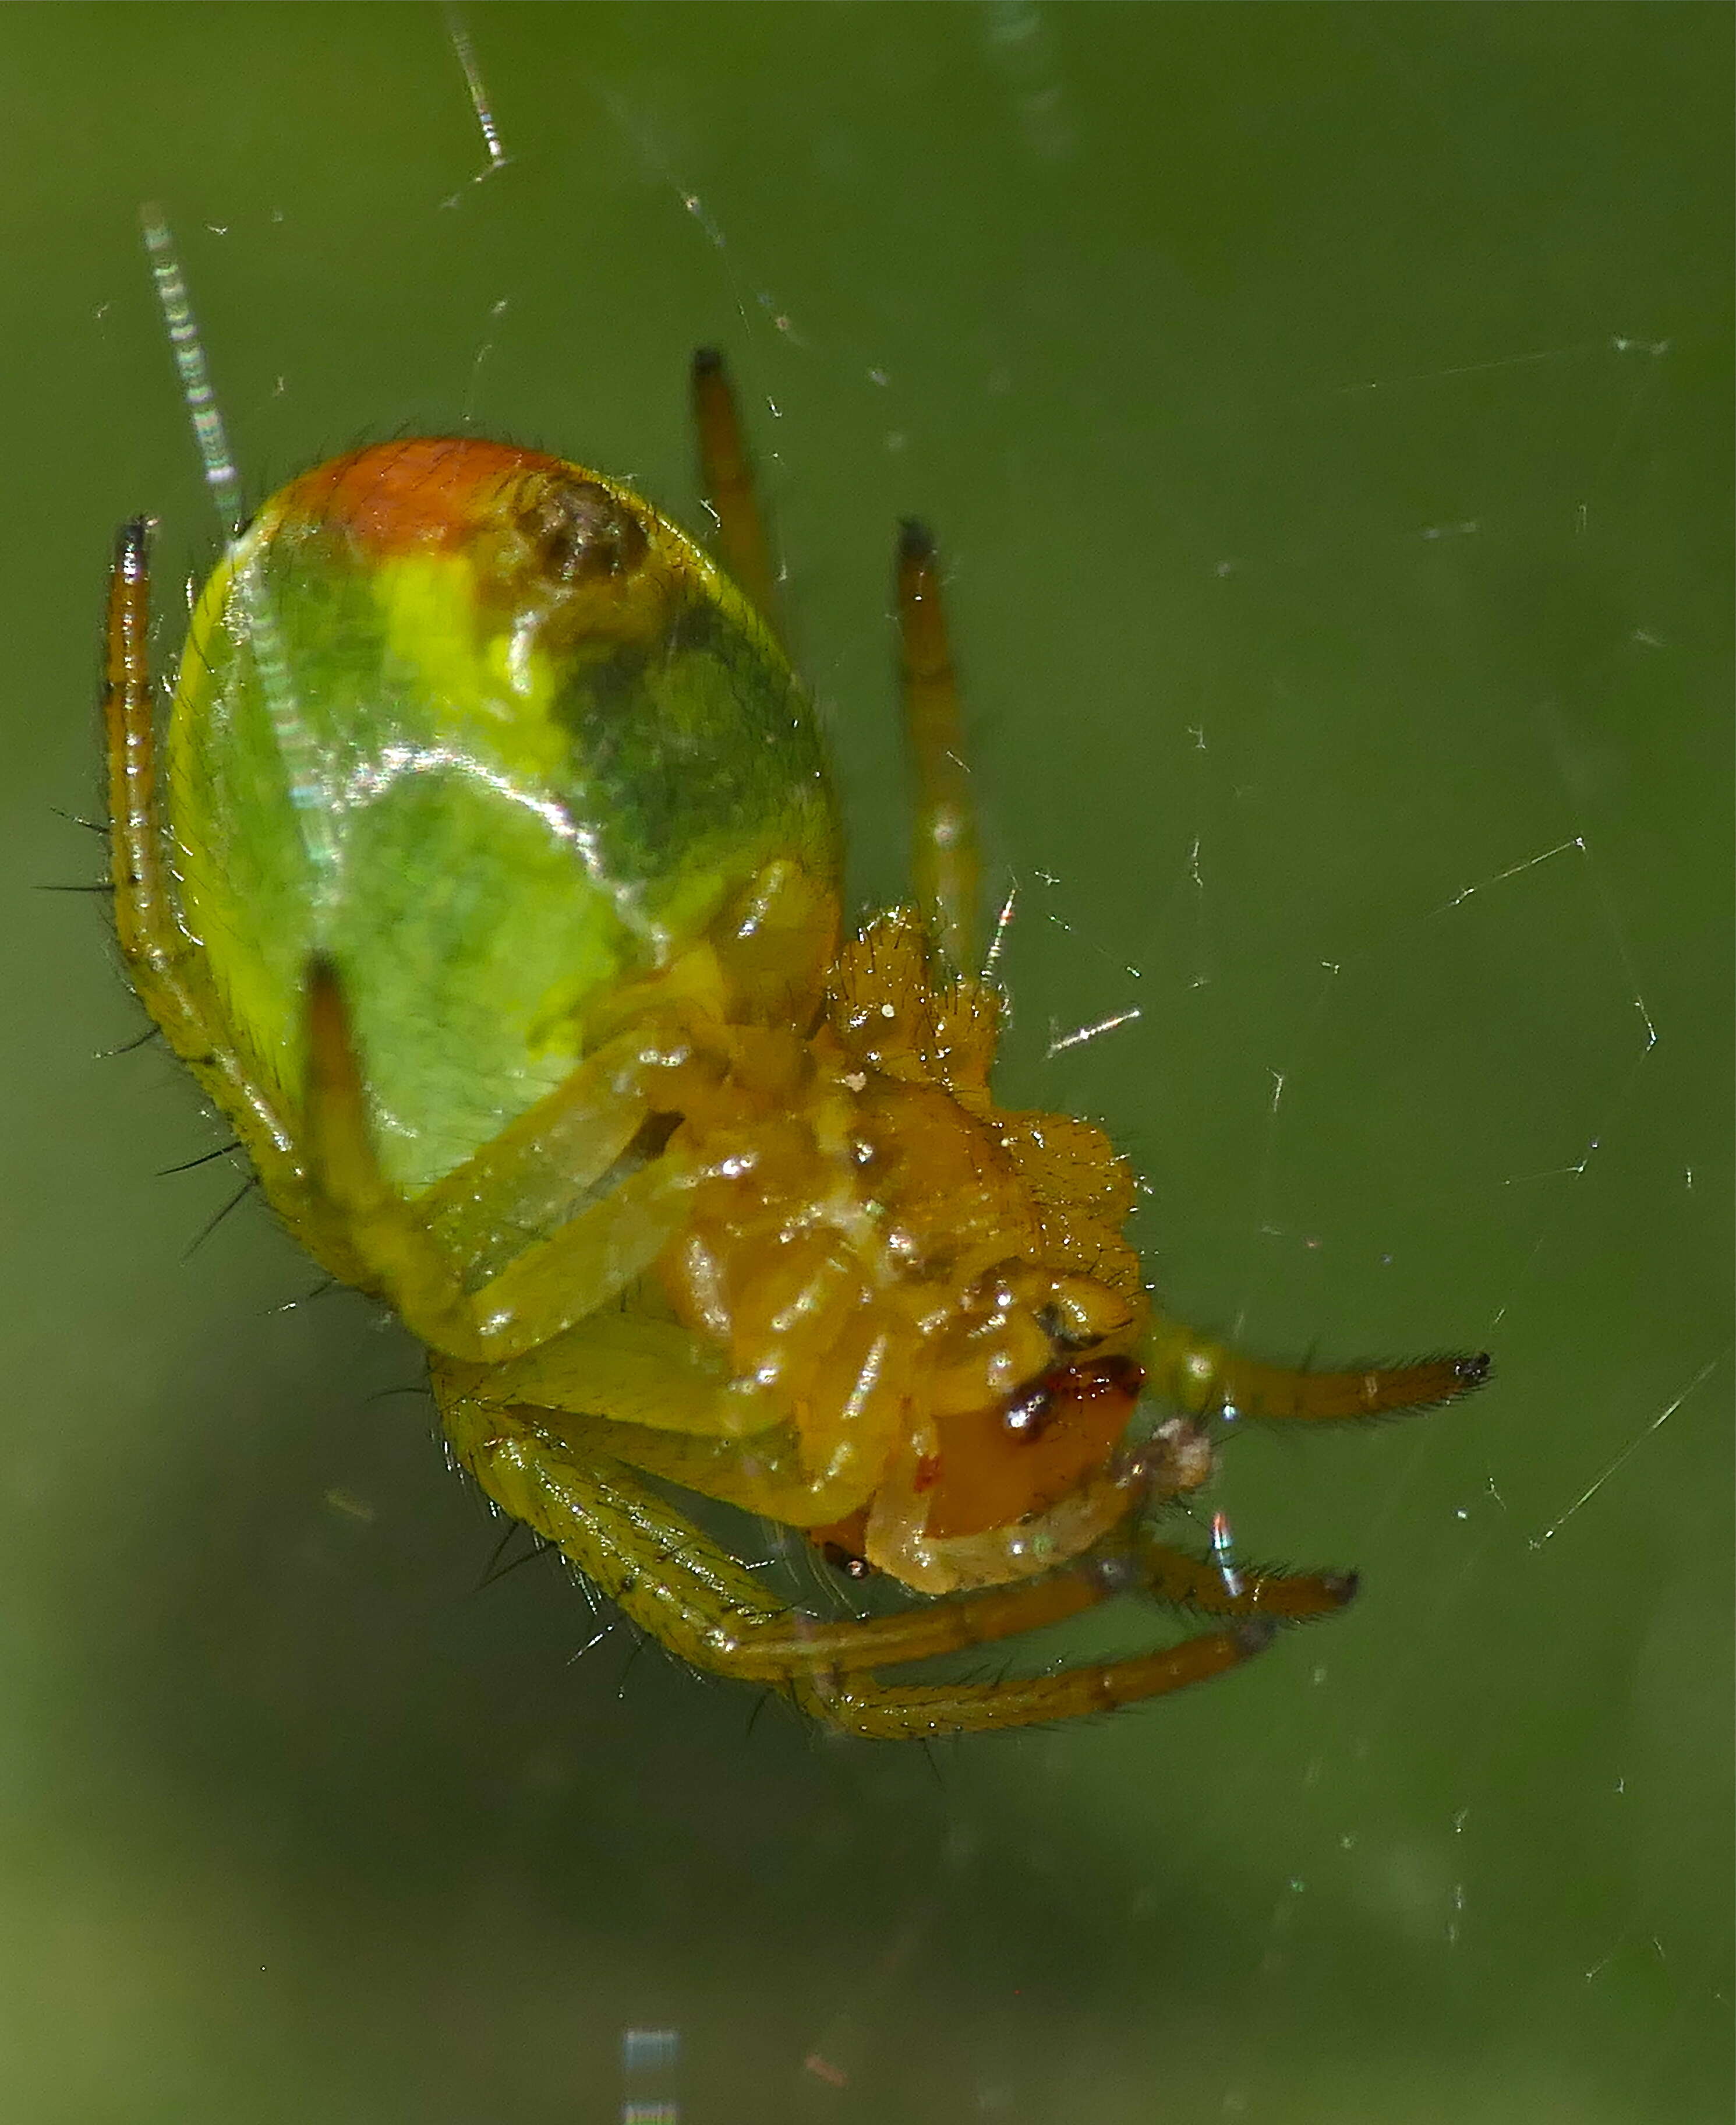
(945, 858)
(622, 1387)
(1187, 1581)
(545, 1287)
(1205, 1377)
(943, 854)
(983, 1618)
(160, 958)
(651, 1561)
(727, 479)
(166, 967)
(583, 1137)
(696, 1600)
(911, 1713)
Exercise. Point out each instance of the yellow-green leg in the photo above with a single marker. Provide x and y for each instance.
(619, 1387)
(542, 1168)
(1209, 1379)
(944, 863)
(670, 1578)
(166, 968)
(944, 859)
(1186, 1581)
(726, 477)
(543, 1289)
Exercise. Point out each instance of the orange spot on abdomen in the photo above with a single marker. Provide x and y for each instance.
(428, 491)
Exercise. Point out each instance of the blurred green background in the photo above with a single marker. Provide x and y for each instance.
(1326, 413)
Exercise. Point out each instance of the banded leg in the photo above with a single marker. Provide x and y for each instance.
(164, 966)
(945, 862)
(1206, 1378)
(728, 482)
(674, 1581)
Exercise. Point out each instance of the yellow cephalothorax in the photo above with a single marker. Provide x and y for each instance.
(505, 928)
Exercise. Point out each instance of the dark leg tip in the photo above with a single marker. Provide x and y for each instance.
(1254, 1635)
(915, 541)
(132, 546)
(708, 361)
(1472, 1372)
(328, 1019)
(1342, 1585)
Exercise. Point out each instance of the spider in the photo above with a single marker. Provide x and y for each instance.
(494, 898)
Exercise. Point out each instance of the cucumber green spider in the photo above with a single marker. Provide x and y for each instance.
(494, 896)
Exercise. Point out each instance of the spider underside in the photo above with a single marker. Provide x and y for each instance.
(570, 1392)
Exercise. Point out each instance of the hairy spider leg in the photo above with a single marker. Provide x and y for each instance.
(1187, 1581)
(727, 479)
(1205, 1379)
(747, 1473)
(944, 864)
(166, 967)
(996, 1613)
(674, 1581)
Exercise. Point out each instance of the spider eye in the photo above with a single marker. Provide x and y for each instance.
(579, 532)
(1057, 1326)
(1078, 1311)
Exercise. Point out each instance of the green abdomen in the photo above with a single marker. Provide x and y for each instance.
(495, 736)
